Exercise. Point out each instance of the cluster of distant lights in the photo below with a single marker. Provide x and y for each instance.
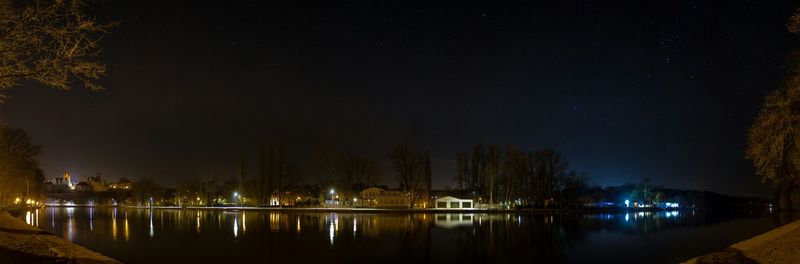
(19, 200)
(636, 204)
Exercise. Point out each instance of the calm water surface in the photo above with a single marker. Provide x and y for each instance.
(206, 236)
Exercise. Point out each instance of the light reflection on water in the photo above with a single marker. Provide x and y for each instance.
(190, 235)
(114, 224)
(152, 230)
(235, 227)
(71, 222)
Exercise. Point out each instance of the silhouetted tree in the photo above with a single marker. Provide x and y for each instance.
(19, 169)
(144, 189)
(462, 170)
(549, 168)
(412, 171)
(348, 174)
(503, 175)
(262, 174)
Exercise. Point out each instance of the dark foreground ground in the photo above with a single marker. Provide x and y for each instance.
(21, 243)
(781, 245)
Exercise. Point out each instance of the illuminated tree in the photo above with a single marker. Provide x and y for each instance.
(773, 143)
(51, 42)
(773, 138)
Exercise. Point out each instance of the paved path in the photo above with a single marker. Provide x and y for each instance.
(21, 243)
(780, 245)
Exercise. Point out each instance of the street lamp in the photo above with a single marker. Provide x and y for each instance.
(332, 194)
(236, 198)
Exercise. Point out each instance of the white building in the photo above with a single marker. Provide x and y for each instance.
(450, 202)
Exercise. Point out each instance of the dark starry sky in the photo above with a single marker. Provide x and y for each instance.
(626, 89)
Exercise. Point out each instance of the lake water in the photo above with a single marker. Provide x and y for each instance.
(209, 236)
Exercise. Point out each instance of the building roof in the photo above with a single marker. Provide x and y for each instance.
(451, 198)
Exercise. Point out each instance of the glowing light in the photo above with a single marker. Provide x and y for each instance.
(627, 203)
(627, 217)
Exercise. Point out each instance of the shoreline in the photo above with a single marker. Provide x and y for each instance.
(392, 210)
(23, 243)
(779, 245)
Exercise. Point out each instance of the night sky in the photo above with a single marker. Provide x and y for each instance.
(626, 89)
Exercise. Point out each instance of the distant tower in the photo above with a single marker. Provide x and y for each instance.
(68, 179)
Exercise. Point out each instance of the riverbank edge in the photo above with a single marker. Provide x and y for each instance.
(23, 243)
(740, 252)
(404, 211)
